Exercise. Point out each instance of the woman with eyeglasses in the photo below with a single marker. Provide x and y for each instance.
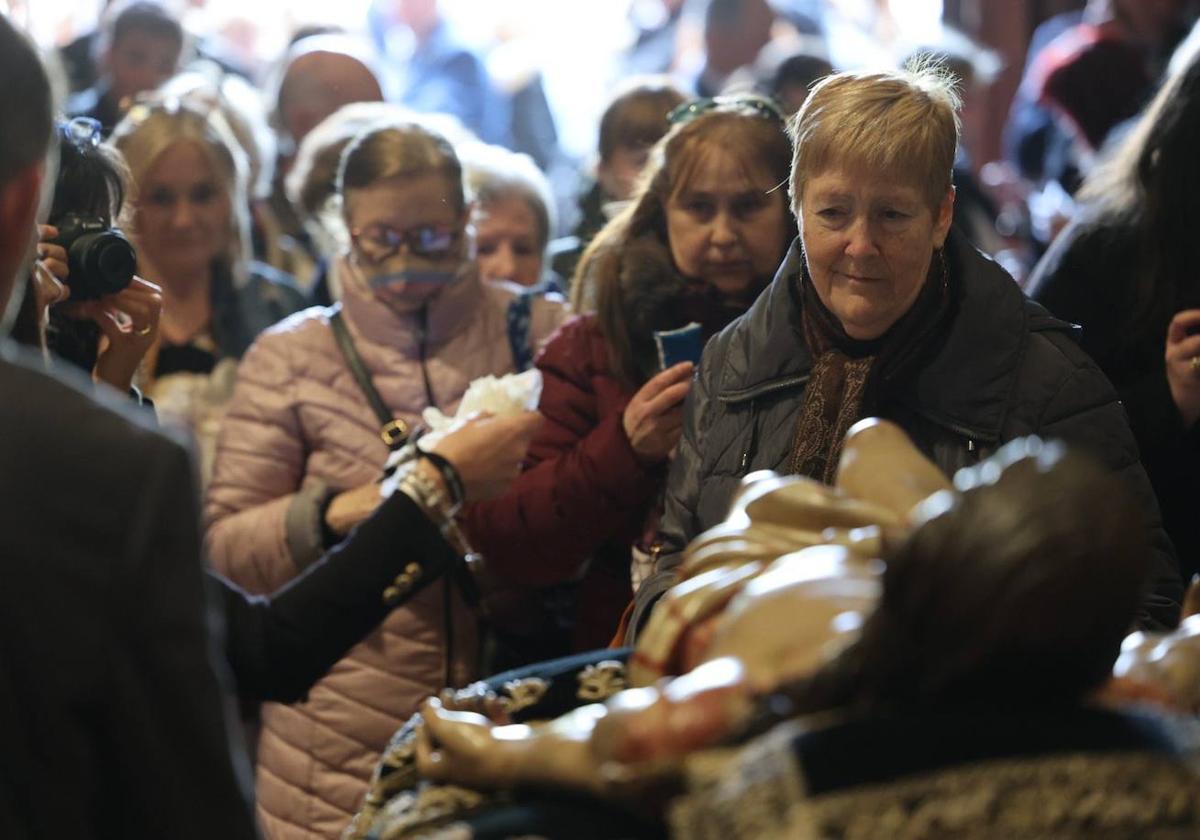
(880, 309)
(697, 244)
(320, 402)
(190, 226)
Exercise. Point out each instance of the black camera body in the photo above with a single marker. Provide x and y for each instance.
(101, 259)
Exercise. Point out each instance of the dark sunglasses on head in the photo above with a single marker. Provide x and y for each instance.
(82, 132)
(761, 105)
(381, 242)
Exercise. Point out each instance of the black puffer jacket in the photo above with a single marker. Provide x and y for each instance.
(1005, 369)
(1090, 277)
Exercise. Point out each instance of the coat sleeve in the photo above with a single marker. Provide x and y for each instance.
(583, 483)
(679, 522)
(168, 700)
(1085, 412)
(279, 646)
(263, 520)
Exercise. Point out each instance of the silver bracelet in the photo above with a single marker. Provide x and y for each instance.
(434, 501)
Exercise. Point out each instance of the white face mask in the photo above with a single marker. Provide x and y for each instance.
(410, 288)
(428, 277)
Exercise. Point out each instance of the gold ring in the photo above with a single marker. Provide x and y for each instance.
(144, 330)
(1195, 364)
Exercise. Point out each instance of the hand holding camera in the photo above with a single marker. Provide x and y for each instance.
(98, 263)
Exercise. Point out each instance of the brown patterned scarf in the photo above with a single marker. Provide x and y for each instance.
(848, 374)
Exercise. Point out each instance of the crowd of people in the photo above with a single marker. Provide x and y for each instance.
(240, 561)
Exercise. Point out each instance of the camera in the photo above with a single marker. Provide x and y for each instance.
(101, 259)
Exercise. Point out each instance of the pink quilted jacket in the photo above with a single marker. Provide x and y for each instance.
(298, 427)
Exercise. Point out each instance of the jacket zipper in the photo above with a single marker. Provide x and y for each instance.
(422, 335)
(752, 444)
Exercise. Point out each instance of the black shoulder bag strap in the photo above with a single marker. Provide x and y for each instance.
(393, 430)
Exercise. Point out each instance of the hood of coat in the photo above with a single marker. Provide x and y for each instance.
(965, 384)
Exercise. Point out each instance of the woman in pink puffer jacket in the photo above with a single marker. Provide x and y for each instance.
(300, 431)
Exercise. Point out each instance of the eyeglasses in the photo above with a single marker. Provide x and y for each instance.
(82, 132)
(761, 105)
(379, 243)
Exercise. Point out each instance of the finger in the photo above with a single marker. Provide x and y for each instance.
(139, 291)
(110, 324)
(48, 252)
(142, 315)
(672, 427)
(58, 268)
(47, 232)
(1184, 322)
(429, 760)
(661, 381)
(1185, 350)
(143, 283)
(668, 399)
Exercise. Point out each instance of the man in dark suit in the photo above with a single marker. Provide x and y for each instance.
(113, 711)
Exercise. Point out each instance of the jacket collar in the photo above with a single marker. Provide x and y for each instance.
(966, 385)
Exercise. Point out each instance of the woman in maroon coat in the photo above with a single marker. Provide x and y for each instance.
(702, 238)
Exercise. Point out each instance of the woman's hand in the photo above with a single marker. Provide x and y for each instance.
(51, 255)
(653, 420)
(1183, 364)
(129, 323)
(488, 451)
(350, 507)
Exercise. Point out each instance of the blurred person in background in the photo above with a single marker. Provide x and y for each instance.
(438, 72)
(512, 212)
(699, 241)
(735, 32)
(1097, 71)
(318, 74)
(190, 226)
(303, 444)
(633, 121)
(1127, 269)
(787, 70)
(139, 47)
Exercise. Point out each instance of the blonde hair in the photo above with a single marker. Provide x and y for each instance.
(155, 125)
(399, 150)
(898, 121)
(204, 87)
(493, 173)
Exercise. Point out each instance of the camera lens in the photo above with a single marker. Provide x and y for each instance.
(101, 264)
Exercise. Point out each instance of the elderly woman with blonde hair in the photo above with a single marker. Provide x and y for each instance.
(881, 309)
